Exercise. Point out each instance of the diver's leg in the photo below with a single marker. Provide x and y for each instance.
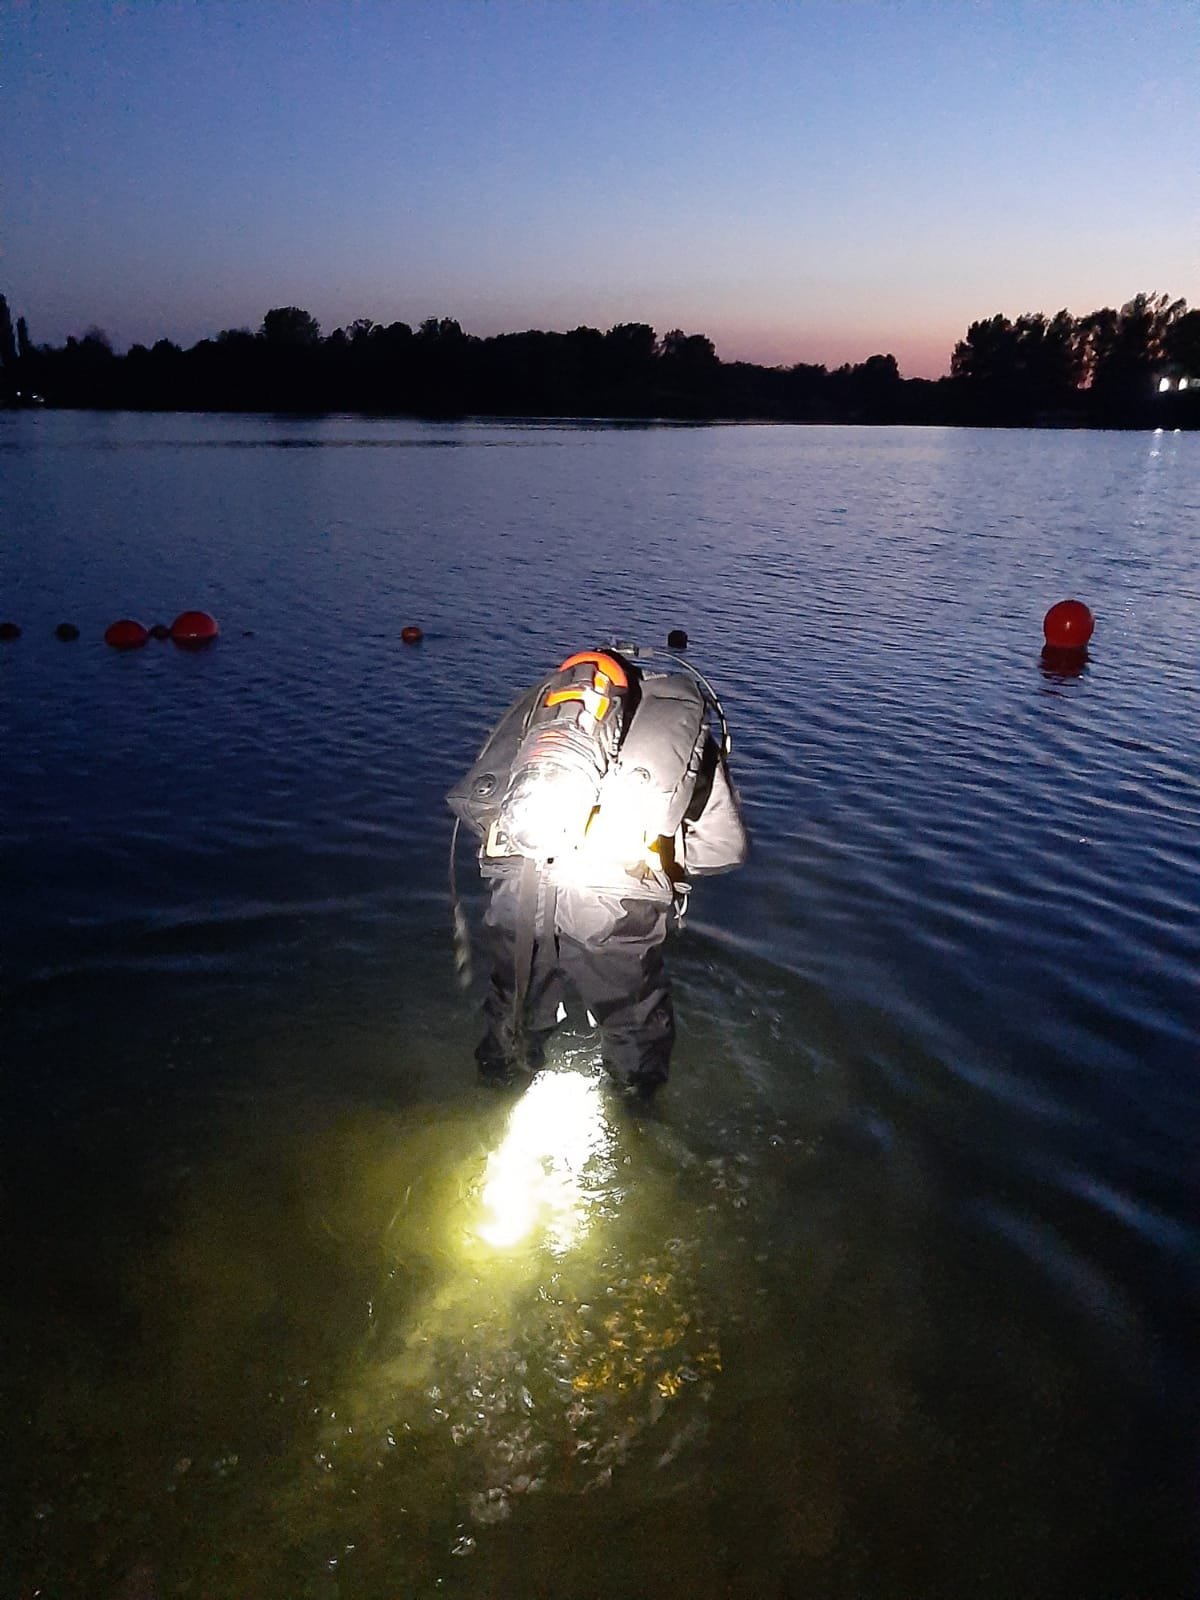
(612, 952)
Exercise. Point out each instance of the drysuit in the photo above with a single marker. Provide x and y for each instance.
(581, 894)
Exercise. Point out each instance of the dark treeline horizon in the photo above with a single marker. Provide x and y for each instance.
(1111, 368)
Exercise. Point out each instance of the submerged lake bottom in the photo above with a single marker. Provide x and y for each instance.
(306, 1311)
(892, 1292)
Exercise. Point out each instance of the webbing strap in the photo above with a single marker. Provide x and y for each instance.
(546, 947)
(534, 942)
(525, 936)
(462, 933)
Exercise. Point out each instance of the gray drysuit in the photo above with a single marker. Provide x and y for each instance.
(595, 924)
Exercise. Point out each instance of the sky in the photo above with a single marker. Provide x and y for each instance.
(801, 180)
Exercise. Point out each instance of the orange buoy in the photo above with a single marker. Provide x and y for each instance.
(1068, 625)
(411, 634)
(126, 634)
(194, 627)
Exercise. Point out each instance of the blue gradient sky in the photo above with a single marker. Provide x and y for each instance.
(802, 182)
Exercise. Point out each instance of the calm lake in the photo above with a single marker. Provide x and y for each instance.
(896, 1295)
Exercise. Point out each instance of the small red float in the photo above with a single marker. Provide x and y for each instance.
(126, 634)
(194, 627)
(1068, 625)
(411, 634)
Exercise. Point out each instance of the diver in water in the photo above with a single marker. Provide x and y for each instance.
(597, 798)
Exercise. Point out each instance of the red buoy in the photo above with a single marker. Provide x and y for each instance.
(1068, 625)
(9, 630)
(126, 634)
(194, 627)
(411, 634)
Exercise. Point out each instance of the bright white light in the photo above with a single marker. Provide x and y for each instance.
(536, 1176)
(548, 807)
(1163, 385)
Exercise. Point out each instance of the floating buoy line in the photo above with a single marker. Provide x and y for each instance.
(191, 629)
(1067, 627)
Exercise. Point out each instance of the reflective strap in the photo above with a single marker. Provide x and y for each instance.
(595, 700)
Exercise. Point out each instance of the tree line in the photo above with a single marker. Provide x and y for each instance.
(1114, 368)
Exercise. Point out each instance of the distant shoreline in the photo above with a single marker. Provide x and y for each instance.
(1137, 367)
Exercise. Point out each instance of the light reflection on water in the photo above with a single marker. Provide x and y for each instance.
(558, 1329)
(554, 1156)
(451, 1386)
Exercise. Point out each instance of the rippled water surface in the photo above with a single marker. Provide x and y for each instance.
(896, 1294)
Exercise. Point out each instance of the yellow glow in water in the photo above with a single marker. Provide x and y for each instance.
(535, 1178)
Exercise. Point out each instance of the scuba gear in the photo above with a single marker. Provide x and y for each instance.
(532, 788)
(583, 707)
(478, 797)
(570, 741)
(638, 652)
(654, 775)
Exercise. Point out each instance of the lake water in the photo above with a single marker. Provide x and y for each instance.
(894, 1298)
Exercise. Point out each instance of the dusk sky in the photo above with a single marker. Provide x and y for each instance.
(802, 181)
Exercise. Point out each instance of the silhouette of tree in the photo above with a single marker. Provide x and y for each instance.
(8, 342)
(867, 392)
(1181, 343)
(288, 327)
(627, 369)
(96, 345)
(984, 364)
(1016, 372)
(1122, 353)
(690, 351)
(442, 331)
(1048, 359)
(632, 343)
(687, 374)
(440, 368)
